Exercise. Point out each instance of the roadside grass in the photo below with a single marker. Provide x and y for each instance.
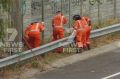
(106, 39)
(105, 23)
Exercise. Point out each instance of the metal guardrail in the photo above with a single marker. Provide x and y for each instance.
(53, 45)
(105, 30)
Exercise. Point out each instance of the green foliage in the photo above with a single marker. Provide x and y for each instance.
(1, 29)
(5, 4)
(34, 64)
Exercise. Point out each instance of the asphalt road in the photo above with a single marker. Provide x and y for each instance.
(105, 66)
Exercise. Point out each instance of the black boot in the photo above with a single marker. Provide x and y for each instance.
(80, 50)
(85, 48)
(88, 46)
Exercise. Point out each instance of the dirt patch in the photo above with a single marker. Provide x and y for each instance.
(100, 41)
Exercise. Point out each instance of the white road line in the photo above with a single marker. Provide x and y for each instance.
(111, 76)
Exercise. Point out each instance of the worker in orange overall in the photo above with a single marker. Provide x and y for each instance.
(80, 33)
(87, 26)
(32, 34)
(58, 22)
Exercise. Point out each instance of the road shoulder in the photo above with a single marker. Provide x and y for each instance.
(72, 59)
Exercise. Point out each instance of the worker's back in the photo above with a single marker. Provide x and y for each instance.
(59, 20)
(32, 33)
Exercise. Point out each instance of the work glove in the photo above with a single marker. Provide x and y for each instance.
(43, 23)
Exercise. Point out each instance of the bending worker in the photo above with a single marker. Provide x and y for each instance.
(32, 34)
(80, 32)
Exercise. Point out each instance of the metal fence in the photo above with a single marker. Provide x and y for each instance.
(44, 10)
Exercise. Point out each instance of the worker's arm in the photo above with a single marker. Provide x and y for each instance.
(42, 26)
(27, 31)
(75, 25)
(65, 21)
(88, 21)
(53, 23)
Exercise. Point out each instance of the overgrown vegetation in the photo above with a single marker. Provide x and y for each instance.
(1, 29)
(5, 6)
(105, 23)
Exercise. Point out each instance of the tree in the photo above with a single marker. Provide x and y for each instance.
(13, 9)
(5, 5)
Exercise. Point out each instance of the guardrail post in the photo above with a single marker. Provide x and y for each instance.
(61, 5)
(115, 9)
(69, 13)
(99, 18)
(81, 9)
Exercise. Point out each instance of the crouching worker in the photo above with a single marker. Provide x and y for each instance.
(32, 34)
(80, 33)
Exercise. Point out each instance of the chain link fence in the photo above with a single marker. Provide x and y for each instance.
(44, 10)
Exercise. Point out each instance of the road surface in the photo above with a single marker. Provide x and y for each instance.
(105, 66)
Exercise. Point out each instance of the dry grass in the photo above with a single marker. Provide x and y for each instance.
(100, 41)
(106, 23)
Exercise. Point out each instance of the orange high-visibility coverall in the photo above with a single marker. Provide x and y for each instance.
(58, 23)
(32, 32)
(80, 33)
(87, 27)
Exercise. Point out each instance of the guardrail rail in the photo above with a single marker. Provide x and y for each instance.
(53, 45)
